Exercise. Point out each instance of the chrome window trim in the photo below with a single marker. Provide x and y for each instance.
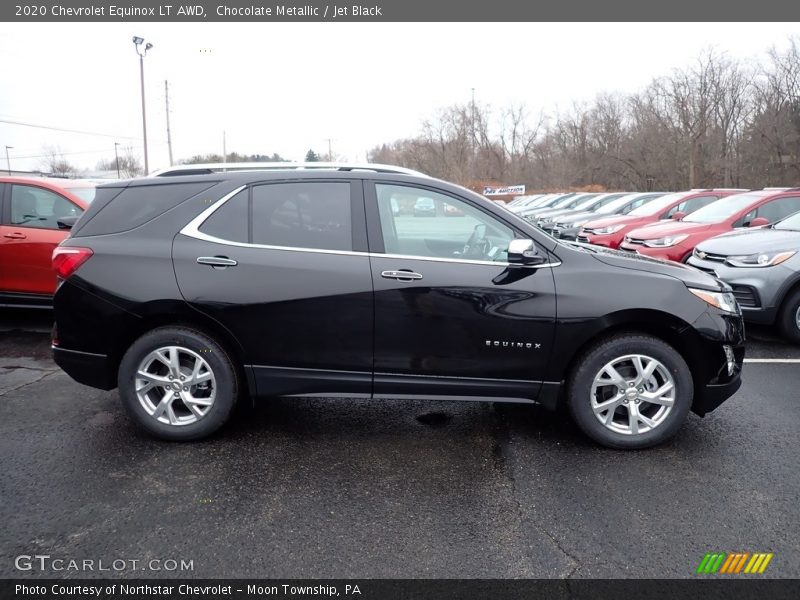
(192, 230)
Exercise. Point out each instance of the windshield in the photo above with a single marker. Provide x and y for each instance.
(656, 206)
(588, 203)
(84, 193)
(791, 223)
(722, 209)
(563, 203)
(615, 205)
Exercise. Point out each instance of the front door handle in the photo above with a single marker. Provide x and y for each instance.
(15, 236)
(216, 261)
(402, 275)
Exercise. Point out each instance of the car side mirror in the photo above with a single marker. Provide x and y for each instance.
(678, 215)
(524, 252)
(67, 222)
(758, 222)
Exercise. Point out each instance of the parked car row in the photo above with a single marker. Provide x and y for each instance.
(749, 239)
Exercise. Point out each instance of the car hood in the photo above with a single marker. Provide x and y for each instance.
(545, 212)
(752, 241)
(613, 220)
(557, 213)
(575, 215)
(689, 275)
(671, 228)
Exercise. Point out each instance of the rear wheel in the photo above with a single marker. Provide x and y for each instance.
(630, 391)
(178, 383)
(789, 317)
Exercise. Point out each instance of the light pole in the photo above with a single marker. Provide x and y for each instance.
(116, 155)
(141, 50)
(8, 160)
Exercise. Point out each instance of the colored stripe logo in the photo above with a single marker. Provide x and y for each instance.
(734, 563)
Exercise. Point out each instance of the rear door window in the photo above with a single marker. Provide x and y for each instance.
(311, 215)
(778, 209)
(37, 207)
(230, 221)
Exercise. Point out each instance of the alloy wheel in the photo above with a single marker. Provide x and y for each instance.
(175, 385)
(633, 394)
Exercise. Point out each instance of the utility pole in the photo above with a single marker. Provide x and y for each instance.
(472, 138)
(116, 155)
(224, 150)
(8, 160)
(169, 136)
(330, 151)
(142, 51)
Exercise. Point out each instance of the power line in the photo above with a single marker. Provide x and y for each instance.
(67, 130)
(104, 150)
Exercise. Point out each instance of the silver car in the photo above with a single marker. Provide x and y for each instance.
(763, 267)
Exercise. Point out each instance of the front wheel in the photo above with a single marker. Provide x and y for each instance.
(789, 317)
(178, 383)
(630, 391)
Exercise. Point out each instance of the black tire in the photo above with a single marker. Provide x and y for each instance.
(787, 319)
(226, 383)
(590, 364)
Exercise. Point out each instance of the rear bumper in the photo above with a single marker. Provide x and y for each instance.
(86, 368)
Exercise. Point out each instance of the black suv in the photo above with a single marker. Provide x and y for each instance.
(191, 291)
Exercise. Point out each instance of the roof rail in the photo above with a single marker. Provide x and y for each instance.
(209, 168)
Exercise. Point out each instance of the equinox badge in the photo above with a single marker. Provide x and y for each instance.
(506, 344)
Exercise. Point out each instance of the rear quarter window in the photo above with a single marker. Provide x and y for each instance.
(115, 210)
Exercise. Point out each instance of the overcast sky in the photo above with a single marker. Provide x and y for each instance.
(288, 87)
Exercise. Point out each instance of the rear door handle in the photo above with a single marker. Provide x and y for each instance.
(216, 261)
(402, 275)
(15, 236)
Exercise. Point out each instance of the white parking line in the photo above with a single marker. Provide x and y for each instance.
(789, 361)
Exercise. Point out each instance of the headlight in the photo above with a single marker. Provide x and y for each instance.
(609, 229)
(761, 259)
(721, 300)
(665, 242)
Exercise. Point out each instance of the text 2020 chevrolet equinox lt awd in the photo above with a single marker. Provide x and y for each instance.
(188, 292)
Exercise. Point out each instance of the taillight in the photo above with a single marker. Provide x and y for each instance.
(68, 259)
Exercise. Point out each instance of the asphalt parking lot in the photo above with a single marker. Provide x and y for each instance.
(354, 489)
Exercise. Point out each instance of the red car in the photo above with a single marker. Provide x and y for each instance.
(675, 240)
(30, 210)
(610, 231)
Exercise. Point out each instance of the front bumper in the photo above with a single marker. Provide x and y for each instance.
(674, 253)
(718, 356)
(566, 233)
(757, 289)
(610, 240)
(714, 395)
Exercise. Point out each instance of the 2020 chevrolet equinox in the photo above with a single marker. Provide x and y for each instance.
(189, 292)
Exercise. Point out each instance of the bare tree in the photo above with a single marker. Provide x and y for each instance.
(54, 162)
(129, 165)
